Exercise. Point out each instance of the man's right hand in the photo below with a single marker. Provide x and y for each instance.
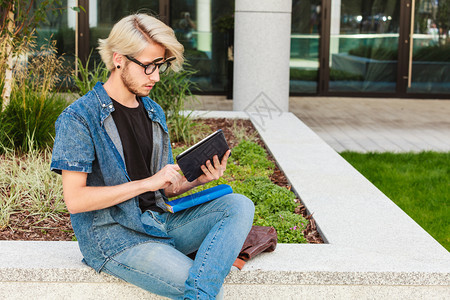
(168, 176)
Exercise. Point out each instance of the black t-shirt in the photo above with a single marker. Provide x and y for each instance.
(136, 135)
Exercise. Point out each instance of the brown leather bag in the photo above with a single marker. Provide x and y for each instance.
(260, 239)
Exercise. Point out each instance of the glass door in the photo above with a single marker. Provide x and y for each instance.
(429, 66)
(364, 45)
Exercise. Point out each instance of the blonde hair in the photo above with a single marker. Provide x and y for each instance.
(132, 34)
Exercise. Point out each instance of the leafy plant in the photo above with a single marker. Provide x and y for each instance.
(270, 197)
(28, 121)
(289, 226)
(274, 206)
(172, 92)
(87, 77)
(251, 154)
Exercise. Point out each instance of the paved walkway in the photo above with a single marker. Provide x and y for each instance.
(367, 124)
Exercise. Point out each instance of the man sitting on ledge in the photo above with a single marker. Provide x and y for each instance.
(113, 151)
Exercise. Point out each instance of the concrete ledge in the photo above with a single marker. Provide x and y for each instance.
(374, 249)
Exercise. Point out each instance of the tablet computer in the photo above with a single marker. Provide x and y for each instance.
(191, 160)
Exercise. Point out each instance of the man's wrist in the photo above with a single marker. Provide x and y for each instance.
(195, 183)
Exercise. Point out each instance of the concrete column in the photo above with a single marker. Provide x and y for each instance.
(261, 55)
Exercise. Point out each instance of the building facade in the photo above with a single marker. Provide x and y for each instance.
(364, 48)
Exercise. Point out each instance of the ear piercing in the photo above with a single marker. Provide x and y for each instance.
(118, 67)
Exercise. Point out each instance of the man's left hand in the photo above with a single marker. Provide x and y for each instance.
(213, 171)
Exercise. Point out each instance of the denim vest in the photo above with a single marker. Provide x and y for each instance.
(87, 141)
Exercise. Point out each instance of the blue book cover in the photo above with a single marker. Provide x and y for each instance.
(198, 198)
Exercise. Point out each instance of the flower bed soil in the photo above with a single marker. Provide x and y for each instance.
(25, 226)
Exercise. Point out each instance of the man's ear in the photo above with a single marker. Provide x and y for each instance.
(118, 59)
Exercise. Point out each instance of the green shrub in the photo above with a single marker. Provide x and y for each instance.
(274, 206)
(252, 154)
(270, 197)
(289, 226)
(248, 172)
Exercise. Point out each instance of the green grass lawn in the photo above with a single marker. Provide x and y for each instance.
(419, 183)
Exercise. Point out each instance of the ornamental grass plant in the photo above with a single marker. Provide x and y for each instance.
(27, 123)
(28, 187)
(89, 74)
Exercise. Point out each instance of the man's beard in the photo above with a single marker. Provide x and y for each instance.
(131, 85)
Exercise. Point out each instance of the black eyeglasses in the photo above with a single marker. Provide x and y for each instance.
(151, 67)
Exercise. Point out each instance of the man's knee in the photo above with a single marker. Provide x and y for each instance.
(239, 205)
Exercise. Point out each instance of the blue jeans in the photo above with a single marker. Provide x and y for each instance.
(216, 230)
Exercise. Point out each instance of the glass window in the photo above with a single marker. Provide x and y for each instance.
(205, 28)
(60, 26)
(364, 45)
(305, 33)
(430, 65)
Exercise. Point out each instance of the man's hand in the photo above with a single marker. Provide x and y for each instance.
(167, 176)
(215, 170)
(212, 171)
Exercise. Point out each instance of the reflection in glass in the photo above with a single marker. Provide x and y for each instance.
(304, 62)
(60, 27)
(205, 28)
(430, 67)
(363, 45)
